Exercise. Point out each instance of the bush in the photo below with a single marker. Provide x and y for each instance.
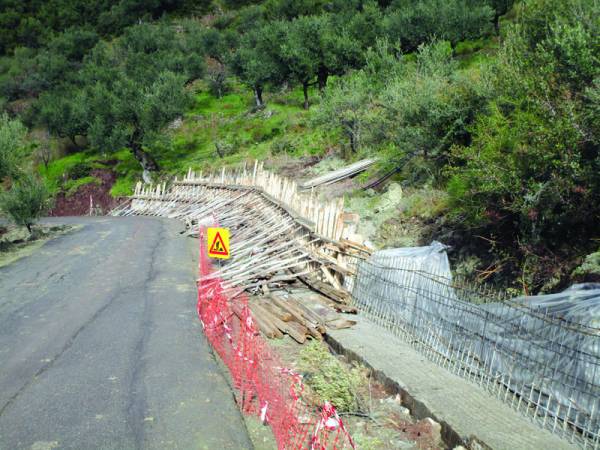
(283, 145)
(328, 378)
(13, 145)
(426, 111)
(26, 201)
(414, 23)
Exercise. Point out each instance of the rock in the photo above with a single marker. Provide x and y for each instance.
(176, 124)
(395, 404)
(436, 431)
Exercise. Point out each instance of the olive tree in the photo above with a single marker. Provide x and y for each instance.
(127, 113)
(257, 61)
(12, 146)
(26, 201)
(346, 107)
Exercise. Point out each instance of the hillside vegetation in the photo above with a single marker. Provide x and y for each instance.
(485, 112)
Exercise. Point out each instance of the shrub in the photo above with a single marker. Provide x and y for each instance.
(328, 378)
(26, 201)
(12, 145)
(414, 23)
(284, 144)
(426, 111)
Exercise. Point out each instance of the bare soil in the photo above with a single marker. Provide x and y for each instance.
(90, 199)
(384, 424)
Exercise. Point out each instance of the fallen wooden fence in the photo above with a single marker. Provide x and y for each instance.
(278, 234)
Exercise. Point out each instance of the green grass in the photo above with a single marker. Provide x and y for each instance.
(67, 174)
(71, 186)
(54, 175)
(471, 54)
(122, 187)
(281, 127)
(233, 123)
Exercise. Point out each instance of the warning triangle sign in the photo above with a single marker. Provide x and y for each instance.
(218, 243)
(218, 247)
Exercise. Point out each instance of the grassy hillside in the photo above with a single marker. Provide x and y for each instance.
(485, 112)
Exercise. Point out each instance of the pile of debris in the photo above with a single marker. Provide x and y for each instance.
(273, 248)
(301, 312)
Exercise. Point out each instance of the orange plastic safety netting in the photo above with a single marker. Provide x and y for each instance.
(263, 385)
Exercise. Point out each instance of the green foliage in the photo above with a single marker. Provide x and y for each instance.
(13, 146)
(31, 22)
(63, 113)
(470, 46)
(26, 201)
(414, 23)
(126, 93)
(530, 175)
(590, 269)
(72, 185)
(122, 187)
(365, 442)
(316, 47)
(284, 145)
(328, 378)
(424, 111)
(345, 107)
(256, 62)
(57, 170)
(291, 9)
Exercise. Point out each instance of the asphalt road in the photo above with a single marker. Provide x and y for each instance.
(100, 346)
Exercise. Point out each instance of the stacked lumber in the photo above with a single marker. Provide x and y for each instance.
(336, 297)
(278, 314)
(338, 175)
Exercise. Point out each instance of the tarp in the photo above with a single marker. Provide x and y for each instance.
(545, 348)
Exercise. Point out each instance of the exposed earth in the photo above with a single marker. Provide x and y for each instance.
(89, 199)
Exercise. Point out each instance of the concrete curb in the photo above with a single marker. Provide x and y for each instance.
(469, 416)
(418, 409)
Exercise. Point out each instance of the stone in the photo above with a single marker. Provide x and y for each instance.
(436, 431)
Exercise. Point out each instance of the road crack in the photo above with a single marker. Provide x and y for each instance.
(137, 404)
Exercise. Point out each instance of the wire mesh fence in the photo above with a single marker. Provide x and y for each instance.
(541, 355)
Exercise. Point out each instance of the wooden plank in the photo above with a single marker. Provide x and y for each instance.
(341, 323)
(283, 304)
(299, 331)
(329, 277)
(277, 311)
(265, 326)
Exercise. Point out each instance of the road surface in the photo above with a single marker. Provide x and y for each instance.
(100, 346)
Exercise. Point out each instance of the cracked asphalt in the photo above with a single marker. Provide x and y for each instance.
(100, 346)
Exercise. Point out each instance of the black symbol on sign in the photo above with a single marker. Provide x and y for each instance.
(218, 246)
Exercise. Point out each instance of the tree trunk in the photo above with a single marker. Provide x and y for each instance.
(322, 78)
(497, 23)
(219, 151)
(146, 160)
(258, 96)
(354, 136)
(305, 90)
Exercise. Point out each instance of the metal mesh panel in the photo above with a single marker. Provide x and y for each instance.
(539, 354)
